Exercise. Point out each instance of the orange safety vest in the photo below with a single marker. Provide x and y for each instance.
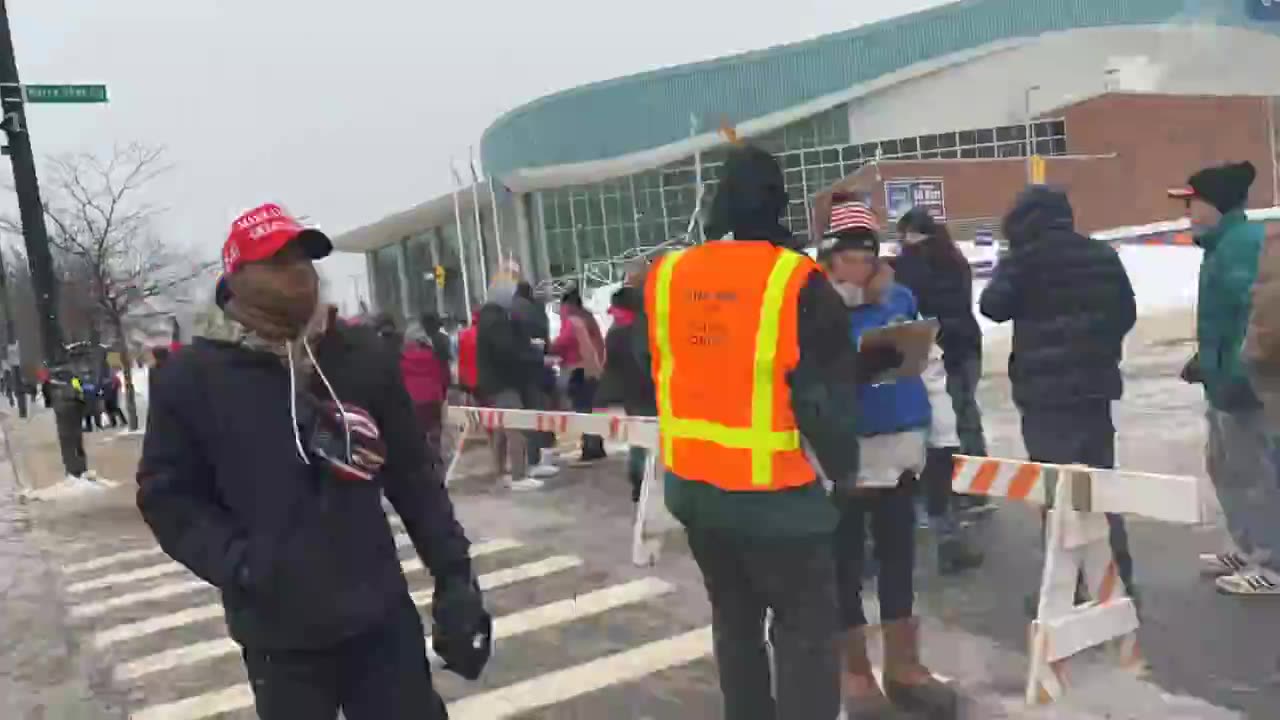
(722, 334)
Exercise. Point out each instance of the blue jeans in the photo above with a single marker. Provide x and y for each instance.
(1242, 462)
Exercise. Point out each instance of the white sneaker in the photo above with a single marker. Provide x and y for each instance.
(544, 470)
(1219, 564)
(525, 485)
(1251, 581)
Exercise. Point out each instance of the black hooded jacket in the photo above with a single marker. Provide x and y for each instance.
(303, 560)
(1070, 301)
(944, 290)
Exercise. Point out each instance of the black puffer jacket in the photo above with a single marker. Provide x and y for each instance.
(303, 560)
(505, 356)
(1070, 301)
(944, 291)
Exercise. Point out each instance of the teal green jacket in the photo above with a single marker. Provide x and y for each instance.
(1227, 273)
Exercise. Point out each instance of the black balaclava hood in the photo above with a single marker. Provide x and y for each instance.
(1037, 210)
(751, 198)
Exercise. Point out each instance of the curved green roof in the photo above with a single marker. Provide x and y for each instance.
(638, 112)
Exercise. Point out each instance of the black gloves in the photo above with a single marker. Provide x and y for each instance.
(1191, 371)
(462, 630)
(875, 360)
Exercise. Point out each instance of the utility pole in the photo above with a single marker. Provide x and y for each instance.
(11, 336)
(31, 210)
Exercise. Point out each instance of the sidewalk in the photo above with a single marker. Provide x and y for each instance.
(113, 454)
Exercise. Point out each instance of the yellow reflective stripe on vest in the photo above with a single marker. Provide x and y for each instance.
(761, 439)
(762, 389)
(666, 418)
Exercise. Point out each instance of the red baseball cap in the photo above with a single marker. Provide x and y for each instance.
(261, 232)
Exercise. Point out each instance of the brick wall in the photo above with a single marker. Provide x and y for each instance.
(1157, 141)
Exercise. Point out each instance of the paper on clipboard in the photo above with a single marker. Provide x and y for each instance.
(913, 339)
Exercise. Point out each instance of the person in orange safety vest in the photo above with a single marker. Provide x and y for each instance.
(754, 366)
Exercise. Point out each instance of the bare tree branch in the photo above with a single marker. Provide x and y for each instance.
(103, 236)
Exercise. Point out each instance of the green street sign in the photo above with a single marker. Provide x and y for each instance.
(65, 93)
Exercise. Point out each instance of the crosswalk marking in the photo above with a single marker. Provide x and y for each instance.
(236, 697)
(211, 611)
(511, 575)
(211, 650)
(109, 560)
(90, 610)
(129, 576)
(558, 686)
(544, 616)
(239, 697)
(160, 570)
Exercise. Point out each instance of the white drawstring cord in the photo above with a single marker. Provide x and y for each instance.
(293, 403)
(346, 426)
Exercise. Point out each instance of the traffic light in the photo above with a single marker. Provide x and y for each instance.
(440, 275)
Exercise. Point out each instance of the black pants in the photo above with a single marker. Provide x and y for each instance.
(893, 532)
(939, 467)
(582, 393)
(114, 414)
(379, 675)
(1082, 434)
(794, 577)
(67, 416)
(536, 397)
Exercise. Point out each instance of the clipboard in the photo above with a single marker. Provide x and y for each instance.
(913, 339)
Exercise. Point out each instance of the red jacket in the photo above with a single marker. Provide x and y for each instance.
(468, 369)
(425, 377)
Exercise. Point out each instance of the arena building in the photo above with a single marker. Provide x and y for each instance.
(1119, 99)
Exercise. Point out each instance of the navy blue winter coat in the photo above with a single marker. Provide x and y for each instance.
(302, 560)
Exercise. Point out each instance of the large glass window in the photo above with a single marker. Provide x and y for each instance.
(421, 275)
(584, 224)
(386, 279)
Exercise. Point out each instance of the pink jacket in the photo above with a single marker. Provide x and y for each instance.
(575, 347)
(425, 377)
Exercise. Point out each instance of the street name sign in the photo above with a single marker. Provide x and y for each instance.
(65, 93)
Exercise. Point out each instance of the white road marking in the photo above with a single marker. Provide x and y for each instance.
(160, 623)
(575, 608)
(91, 610)
(512, 575)
(236, 697)
(130, 576)
(561, 685)
(108, 560)
(544, 616)
(239, 697)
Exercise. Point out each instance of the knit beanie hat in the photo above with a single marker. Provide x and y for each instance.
(853, 227)
(1225, 187)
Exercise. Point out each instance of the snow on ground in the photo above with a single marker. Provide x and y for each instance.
(70, 487)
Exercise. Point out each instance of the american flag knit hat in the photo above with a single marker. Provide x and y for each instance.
(853, 226)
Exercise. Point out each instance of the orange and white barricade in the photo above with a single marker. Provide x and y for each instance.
(1077, 544)
(651, 518)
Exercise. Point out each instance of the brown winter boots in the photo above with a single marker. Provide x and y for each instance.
(907, 682)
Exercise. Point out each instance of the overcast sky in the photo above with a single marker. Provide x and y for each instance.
(348, 111)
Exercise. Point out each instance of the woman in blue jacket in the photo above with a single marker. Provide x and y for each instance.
(893, 423)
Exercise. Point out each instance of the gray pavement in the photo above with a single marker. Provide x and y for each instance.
(104, 628)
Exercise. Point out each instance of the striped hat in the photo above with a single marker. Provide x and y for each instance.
(853, 227)
(850, 214)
